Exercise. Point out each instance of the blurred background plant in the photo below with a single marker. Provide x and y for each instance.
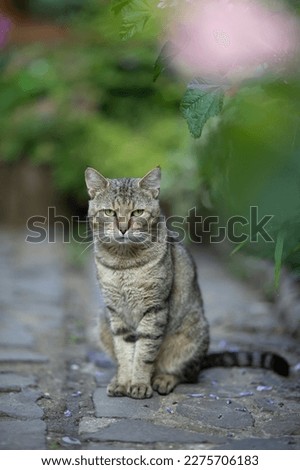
(87, 100)
(250, 156)
(80, 95)
(245, 60)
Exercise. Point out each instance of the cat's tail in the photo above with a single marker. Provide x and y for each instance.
(265, 360)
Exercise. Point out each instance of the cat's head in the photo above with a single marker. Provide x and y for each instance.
(124, 210)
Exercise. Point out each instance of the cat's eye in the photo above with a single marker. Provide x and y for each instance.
(109, 212)
(137, 212)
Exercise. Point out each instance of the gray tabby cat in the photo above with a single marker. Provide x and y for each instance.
(154, 324)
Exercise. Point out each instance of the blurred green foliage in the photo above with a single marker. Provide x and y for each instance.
(250, 157)
(56, 10)
(89, 102)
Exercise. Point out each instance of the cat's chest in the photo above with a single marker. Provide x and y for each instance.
(133, 289)
(119, 285)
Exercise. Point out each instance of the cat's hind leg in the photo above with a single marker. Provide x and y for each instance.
(179, 360)
(106, 338)
(165, 383)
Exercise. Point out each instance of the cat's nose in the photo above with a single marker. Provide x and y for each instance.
(123, 225)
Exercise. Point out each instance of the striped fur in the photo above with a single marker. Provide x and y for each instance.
(153, 324)
(264, 360)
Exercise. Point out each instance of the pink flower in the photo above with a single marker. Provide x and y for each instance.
(232, 39)
(5, 25)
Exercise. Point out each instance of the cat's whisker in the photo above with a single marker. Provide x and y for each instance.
(87, 232)
(87, 247)
(82, 237)
(83, 241)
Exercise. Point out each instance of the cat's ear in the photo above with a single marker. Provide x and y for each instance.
(95, 181)
(151, 181)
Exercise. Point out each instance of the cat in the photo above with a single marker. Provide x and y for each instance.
(154, 324)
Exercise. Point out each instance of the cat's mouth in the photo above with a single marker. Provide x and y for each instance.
(122, 239)
(130, 238)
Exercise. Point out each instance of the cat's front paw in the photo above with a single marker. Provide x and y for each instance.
(139, 390)
(115, 389)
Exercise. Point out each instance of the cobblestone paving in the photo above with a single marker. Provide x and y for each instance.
(53, 375)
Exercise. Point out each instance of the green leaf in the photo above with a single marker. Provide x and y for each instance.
(166, 55)
(200, 102)
(132, 24)
(118, 5)
(134, 13)
(238, 247)
(159, 65)
(278, 258)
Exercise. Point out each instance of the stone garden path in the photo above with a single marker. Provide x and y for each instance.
(53, 374)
